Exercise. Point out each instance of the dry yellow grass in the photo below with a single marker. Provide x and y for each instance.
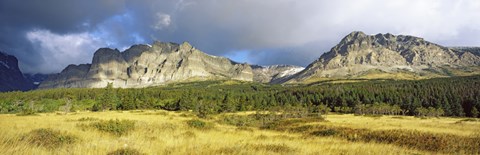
(435, 125)
(161, 132)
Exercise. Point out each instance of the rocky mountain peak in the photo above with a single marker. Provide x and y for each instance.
(357, 53)
(135, 51)
(165, 47)
(355, 35)
(186, 46)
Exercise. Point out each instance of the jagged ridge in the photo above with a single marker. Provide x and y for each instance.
(358, 53)
(144, 65)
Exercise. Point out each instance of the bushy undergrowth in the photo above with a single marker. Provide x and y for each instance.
(241, 121)
(115, 127)
(423, 140)
(199, 124)
(264, 121)
(125, 151)
(49, 138)
(436, 142)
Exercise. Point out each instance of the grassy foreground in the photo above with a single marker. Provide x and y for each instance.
(162, 132)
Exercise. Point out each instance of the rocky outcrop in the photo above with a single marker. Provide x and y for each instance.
(11, 78)
(160, 63)
(358, 53)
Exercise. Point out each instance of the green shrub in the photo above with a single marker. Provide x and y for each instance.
(115, 127)
(125, 151)
(198, 124)
(49, 138)
(28, 110)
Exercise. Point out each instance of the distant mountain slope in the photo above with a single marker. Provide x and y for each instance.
(274, 73)
(145, 65)
(36, 79)
(11, 78)
(388, 56)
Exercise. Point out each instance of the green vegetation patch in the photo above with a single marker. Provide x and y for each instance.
(115, 127)
(199, 124)
(49, 138)
(269, 120)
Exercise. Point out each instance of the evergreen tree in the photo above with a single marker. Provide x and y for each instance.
(108, 100)
(475, 112)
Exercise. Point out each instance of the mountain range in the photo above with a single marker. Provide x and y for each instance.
(356, 56)
(160, 63)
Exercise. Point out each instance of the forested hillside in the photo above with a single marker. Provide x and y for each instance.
(459, 96)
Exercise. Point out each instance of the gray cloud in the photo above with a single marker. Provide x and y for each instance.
(269, 31)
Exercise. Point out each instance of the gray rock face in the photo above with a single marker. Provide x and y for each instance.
(11, 78)
(160, 63)
(358, 53)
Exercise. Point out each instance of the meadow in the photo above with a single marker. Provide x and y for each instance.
(167, 132)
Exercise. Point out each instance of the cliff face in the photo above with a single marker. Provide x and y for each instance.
(11, 78)
(160, 63)
(144, 65)
(358, 53)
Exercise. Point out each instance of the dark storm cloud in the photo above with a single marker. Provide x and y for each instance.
(46, 34)
(57, 16)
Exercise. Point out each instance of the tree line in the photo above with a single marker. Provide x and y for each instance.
(458, 96)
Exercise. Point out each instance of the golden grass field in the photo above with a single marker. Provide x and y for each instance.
(162, 132)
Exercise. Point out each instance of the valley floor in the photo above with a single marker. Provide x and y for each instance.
(163, 132)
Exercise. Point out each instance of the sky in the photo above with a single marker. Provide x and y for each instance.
(48, 35)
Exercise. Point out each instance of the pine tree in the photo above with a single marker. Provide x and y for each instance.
(109, 99)
(475, 112)
(227, 105)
